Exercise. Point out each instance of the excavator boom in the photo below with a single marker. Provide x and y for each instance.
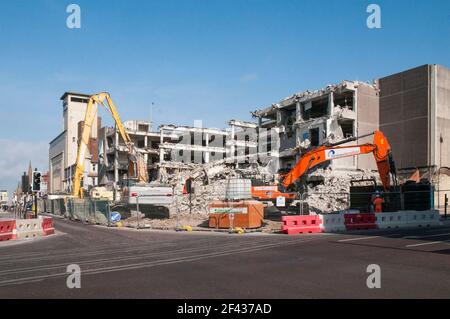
(136, 158)
(380, 149)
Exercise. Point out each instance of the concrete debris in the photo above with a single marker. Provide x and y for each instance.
(330, 192)
(209, 182)
(333, 194)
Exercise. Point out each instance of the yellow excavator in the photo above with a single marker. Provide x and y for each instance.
(137, 166)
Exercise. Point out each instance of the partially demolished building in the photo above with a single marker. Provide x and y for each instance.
(173, 148)
(309, 119)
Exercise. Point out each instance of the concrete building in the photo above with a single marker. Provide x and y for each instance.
(185, 145)
(309, 119)
(171, 148)
(63, 148)
(415, 116)
(242, 142)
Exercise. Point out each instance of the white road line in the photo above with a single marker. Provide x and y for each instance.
(428, 243)
(153, 263)
(368, 237)
(358, 238)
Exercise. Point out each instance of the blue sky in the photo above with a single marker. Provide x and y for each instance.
(195, 59)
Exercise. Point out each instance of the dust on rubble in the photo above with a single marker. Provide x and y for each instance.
(209, 182)
(333, 194)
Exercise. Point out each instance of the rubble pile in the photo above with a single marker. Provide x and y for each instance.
(209, 183)
(333, 194)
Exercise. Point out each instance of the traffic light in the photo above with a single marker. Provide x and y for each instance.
(188, 189)
(36, 186)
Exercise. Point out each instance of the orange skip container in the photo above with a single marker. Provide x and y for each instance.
(247, 214)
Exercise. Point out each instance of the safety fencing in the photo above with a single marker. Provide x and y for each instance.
(363, 202)
(88, 211)
(360, 221)
(301, 224)
(346, 222)
(18, 229)
(84, 210)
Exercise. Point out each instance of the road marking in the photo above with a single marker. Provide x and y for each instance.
(359, 238)
(18, 281)
(428, 243)
(368, 237)
(143, 255)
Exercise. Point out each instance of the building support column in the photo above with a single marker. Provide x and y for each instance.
(116, 156)
(207, 145)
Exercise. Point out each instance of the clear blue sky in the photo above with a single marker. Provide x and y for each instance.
(212, 60)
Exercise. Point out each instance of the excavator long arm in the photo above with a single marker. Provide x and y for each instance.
(380, 149)
(94, 100)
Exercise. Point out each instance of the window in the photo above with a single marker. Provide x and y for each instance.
(314, 133)
(142, 128)
(344, 99)
(347, 127)
(78, 100)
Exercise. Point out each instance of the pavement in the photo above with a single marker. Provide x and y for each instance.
(128, 263)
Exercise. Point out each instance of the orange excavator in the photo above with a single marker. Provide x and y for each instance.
(380, 148)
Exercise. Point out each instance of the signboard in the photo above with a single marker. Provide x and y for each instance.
(281, 201)
(341, 152)
(228, 210)
(115, 217)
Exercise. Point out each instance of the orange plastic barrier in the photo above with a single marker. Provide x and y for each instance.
(301, 224)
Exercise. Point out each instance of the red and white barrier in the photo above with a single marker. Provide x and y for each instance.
(422, 218)
(11, 229)
(332, 223)
(391, 220)
(301, 224)
(7, 227)
(360, 221)
(346, 221)
(47, 226)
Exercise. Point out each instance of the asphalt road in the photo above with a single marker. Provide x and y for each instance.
(126, 263)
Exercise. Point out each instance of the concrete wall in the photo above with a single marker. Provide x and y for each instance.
(368, 110)
(440, 77)
(404, 108)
